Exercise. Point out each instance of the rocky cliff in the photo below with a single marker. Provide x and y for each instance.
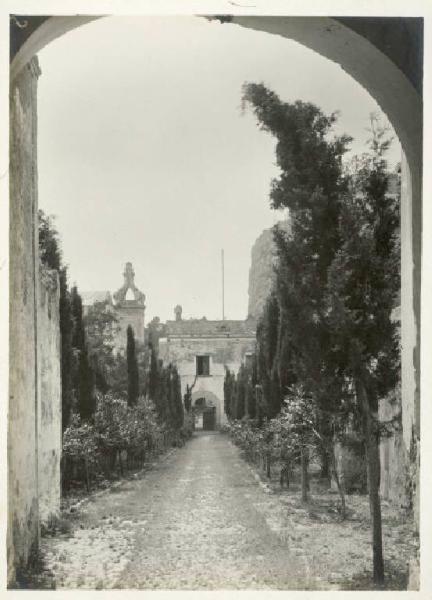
(261, 272)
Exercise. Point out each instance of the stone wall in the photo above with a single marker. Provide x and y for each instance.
(223, 352)
(49, 395)
(23, 529)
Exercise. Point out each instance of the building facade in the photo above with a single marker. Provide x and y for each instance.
(202, 350)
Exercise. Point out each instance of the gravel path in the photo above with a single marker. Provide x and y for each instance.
(199, 519)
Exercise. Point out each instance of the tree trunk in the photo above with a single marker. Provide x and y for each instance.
(326, 468)
(304, 473)
(373, 475)
(268, 465)
(120, 463)
(87, 476)
(339, 485)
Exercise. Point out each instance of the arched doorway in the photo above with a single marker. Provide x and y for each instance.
(205, 414)
(358, 48)
(206, 407)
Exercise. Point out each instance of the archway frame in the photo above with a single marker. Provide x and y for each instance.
(216, 402)
(362, 60)
(393, 92)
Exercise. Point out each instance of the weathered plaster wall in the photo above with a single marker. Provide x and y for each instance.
(49, 395)
(223, 351)
(393, 452)
(410, 320)
(23, 529)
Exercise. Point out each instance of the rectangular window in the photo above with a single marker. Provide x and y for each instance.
(202, 366)
(249, 360)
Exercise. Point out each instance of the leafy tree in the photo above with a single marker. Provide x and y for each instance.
(101, 325)
(80, 445)
(364, 283)
(299, 424)
(336, 275)
(49, 246)
(132, 368)
(113, 424)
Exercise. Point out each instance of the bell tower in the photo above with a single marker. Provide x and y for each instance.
(129, 303)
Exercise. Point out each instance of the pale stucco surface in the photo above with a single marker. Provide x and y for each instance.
(23, 527)
(49, 396)
(225, 350)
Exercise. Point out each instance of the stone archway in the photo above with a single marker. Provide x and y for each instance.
(361, 50)
(207, 408)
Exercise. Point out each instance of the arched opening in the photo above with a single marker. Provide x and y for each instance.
(206, 408)
(333, 39)
(129, 295)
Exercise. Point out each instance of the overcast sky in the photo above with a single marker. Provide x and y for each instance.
(145, 155)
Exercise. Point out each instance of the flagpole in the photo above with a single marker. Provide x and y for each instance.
(223, 284)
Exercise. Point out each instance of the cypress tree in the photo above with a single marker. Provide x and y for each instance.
(364, 282)
(267, 364)
(229, 393)
(178, 402)
(86, 396)
(251, 408)
(240, 393)
(132, 368)
(153, 378)
(78, 335)
(82, 372)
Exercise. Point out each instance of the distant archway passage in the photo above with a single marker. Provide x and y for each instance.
(206, 407)
(384, 55)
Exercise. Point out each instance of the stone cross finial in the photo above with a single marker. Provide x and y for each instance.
(129, 275)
